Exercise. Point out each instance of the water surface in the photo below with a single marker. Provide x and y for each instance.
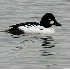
(34, 51)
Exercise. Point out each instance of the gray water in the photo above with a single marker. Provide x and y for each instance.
(34, 51)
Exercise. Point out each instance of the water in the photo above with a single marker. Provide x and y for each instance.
(34, 51)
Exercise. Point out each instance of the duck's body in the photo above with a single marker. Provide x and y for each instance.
(32, 27)
(36, 29)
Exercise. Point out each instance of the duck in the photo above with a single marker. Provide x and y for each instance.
(44, 27)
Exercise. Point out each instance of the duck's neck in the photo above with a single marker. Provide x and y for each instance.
(45, 23)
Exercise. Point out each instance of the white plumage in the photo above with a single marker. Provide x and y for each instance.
(36, 29)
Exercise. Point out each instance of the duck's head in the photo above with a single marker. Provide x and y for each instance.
(47, 19)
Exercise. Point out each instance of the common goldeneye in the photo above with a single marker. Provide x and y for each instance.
(32, 27)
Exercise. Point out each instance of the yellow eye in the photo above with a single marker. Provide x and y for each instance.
(50, 19)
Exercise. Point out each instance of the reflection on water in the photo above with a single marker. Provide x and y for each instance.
(47, 43)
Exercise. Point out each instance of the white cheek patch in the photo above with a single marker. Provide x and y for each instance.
(51, 22)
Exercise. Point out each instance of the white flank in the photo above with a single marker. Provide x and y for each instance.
(36, 29)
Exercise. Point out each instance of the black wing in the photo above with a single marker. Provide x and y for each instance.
(14, 28)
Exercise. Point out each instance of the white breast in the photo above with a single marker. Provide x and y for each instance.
(36, 29)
